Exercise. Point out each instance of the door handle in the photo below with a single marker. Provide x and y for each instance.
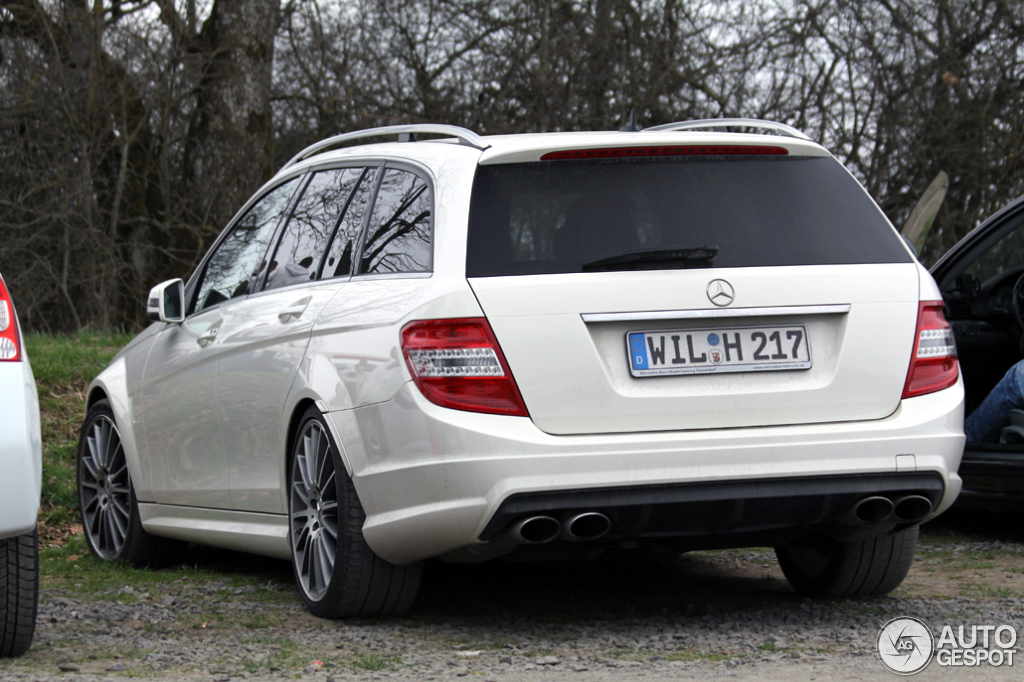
(294, 311)
(208, 337)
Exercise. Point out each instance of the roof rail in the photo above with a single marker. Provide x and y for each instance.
(465, 137)
(782, 128)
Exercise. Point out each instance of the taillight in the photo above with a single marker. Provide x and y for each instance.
(933, 365)
(665, 150)
(10, 344)
(458, 364)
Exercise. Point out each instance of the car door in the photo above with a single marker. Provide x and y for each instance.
(977, 277)
(179, 393)
(268, 332)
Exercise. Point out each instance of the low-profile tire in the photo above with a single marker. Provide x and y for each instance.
(822, 567)
(19, 592)
(106, 498)
(338, 574)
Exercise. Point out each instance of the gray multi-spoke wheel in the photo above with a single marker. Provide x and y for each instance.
(314, 511)
(337, 572)
(104, 486)
(106, 498)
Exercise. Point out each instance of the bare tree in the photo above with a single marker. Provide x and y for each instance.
(131, 130)
(151, 134)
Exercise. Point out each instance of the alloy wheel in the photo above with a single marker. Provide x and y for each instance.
(314, 510)
(105, 488)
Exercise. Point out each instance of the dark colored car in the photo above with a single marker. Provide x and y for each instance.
(982, 282)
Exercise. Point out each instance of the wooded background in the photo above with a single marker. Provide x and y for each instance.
(132, 130)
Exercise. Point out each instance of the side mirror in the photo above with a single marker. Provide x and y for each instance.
(165, 302)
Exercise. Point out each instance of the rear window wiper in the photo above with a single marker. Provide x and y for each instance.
(658, 259)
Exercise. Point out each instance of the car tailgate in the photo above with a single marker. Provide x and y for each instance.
(565, 339)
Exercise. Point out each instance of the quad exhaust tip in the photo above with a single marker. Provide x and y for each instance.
(912, 508)
(876, 510)
(535, 530)
(585, 526)
(870, 511)
(575, 527)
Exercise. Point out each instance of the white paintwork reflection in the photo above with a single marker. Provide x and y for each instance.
(179, 409)
(575, 379)
(355, 356)
(259, 351)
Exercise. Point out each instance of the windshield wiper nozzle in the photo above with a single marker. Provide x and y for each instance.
(659, 259)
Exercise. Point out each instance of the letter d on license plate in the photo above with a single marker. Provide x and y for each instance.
(707, 351)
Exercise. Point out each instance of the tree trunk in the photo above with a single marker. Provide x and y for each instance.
(230, 145)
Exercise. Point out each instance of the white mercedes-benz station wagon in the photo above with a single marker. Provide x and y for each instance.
(536, 347)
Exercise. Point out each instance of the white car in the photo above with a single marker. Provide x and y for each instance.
(21, 461)
(543, 346)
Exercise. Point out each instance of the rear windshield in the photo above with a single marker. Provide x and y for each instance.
(558, 216)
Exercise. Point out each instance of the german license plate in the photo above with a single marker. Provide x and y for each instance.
(710, 351)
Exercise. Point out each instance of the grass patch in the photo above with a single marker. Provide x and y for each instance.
(374, 662)
(63, 367)
(70, 568)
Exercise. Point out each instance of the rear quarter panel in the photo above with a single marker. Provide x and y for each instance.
(20, 449)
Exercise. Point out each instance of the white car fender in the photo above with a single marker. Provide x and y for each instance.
(112, 382)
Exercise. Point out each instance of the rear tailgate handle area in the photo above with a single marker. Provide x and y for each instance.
(699, 314)
(294, 311)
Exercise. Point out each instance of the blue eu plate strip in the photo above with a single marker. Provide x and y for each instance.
(638, 351)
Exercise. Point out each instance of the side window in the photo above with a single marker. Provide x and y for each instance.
(305, 238)
(399, 235)
(1005, 254)
(236, 260)
(339, 255)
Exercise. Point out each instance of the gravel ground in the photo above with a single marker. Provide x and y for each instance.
(709, 615)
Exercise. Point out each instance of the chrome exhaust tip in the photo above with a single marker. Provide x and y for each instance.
(534, 530)
(912, 508)
(869, 511)
(585, 526)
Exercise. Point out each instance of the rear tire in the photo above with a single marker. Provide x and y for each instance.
(106, 498)
(19, 592)
(822, 567)
(339, 576)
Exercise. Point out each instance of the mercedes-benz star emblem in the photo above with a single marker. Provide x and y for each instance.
(720, 292)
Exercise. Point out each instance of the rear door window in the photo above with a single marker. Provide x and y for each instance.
(310, 227)
(399, 234)
(557, 217)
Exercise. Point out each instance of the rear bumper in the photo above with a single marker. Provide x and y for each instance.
(711, 515)
(20, 450)
(432, 479)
